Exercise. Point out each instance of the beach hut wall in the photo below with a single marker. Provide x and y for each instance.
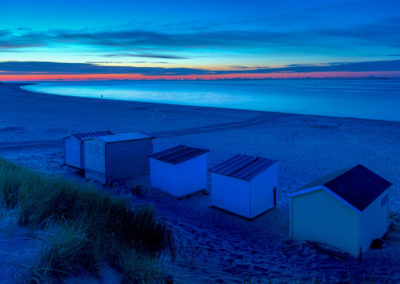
(346, 209)
(73, 147)
(245, 185)
(179, 171)
(117, 157)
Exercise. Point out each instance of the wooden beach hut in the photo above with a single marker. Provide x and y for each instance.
(117, 157)
(245, 185)
(179, 171)
(73, 147)
(346, 209)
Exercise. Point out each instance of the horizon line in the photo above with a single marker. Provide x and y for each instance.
(234, 76)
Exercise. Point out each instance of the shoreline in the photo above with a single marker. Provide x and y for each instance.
(307, 147)
(20, 85)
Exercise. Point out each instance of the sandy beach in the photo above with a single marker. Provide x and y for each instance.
(220, 247)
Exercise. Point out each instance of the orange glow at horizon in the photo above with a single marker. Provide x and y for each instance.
(101, 77)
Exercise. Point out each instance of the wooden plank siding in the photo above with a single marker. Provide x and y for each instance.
(127, 159)
(319, 216)
(374, 221)
(247, 198)
(262, 191)
(72, 152)
(163, 176)
(117, 160)
(231, 194)
(95, 167)
(180, 179)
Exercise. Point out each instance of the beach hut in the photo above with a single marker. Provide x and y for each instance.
(245, 185)
(346, 209)
(73, 147)
(117, 157)
(179, 171)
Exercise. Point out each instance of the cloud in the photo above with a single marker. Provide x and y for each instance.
(24, 67)
(163, 56)
(382, 32)
(3, 32)
(21, 67)
(387, 65)
(127, 62)
(241, 67)
(9, 40)
(281, 30)
(140, 38)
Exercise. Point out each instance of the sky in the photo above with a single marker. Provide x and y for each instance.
(218, 39)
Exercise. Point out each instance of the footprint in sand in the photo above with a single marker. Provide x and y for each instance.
(229, 270)
(258, 262)
(260, 269)
(254, 252)
(230, 260)
(236, 256)
(242, 266)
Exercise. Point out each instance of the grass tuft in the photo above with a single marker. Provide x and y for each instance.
(92, 226)
(67, 251)
(138, 268)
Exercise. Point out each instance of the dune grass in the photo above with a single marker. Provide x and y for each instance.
(88, 227)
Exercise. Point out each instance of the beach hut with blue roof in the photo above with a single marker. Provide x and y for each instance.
(179, 171)
(74, 154)
(245, 185)
(346, 209)
(117, 157)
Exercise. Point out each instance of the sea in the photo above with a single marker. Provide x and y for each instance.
(357, 98)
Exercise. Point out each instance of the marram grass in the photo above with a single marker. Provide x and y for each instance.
(88, 227)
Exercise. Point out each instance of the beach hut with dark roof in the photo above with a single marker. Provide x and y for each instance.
(179, 171)
(117, 157)
(74, 154)
(245, 185)
(346, 209)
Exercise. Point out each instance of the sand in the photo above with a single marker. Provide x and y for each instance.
(217, 246)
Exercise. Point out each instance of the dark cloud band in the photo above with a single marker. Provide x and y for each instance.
(21, 67)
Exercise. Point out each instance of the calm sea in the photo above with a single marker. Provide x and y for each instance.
(375, 99)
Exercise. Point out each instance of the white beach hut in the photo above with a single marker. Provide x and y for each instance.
(117, 157)
(346, 209)
(73, 148)
(245, 185)
(179, 171)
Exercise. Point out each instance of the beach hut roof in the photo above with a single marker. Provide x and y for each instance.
(243, 166)
(124, 137)
(356, 185)
(84, 135)
(178, 154)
